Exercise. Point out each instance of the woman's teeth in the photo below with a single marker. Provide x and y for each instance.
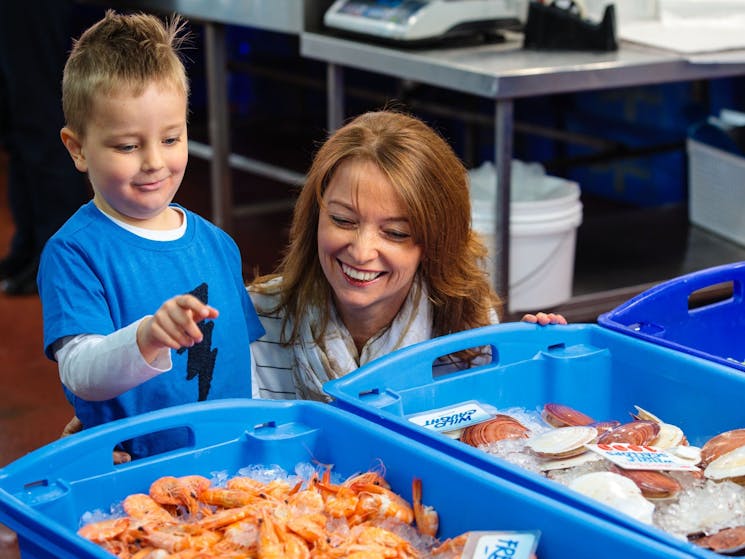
(358, 274)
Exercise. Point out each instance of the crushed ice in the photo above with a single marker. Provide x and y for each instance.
(702, 507)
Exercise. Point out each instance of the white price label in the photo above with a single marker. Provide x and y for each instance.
(452, 417)
(501, 545)
(636, 457)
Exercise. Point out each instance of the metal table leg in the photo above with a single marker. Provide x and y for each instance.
(334, 96)
(219, 130)
(503, 132)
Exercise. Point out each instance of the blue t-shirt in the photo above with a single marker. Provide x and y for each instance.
(96, 277)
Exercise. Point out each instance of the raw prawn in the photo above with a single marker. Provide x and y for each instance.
(426, 517)
(170, 490)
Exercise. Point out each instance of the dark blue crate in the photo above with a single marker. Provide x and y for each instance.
(642, 180)
(668, 314)
(44, 494)
(596, 370)
(670, 106)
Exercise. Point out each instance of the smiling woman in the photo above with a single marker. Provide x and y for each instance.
(366, 248)
(381, 256)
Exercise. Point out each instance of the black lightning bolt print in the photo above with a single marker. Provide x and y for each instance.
(201, 357)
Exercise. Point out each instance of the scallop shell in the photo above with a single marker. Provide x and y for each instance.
(728, 541)
(563, 442)
(617, 492)
(689, 454)
(559, 415)
(641, 413)
(497, 428)
(730, 465)
(571, 462)
(721, 444)
(606, 425)
(641, 432)
(653, 484)
(669, 435)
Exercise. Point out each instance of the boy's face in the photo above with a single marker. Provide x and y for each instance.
(135, 153)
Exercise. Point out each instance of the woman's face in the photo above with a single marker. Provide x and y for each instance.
(365, 244)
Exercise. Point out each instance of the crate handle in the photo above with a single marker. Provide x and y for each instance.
(412, 365)
(712, 295)
(682, 297)
(210, 423)
(188, 440)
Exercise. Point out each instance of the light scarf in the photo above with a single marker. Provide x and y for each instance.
(336, 355)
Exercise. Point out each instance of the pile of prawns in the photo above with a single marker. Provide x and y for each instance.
(190, 518)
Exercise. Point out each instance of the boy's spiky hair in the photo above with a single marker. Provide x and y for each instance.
(122, 52)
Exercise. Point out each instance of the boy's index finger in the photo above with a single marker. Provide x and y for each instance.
(196, 306)
(209, 312)
(190, 302)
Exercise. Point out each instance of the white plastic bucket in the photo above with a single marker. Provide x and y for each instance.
(542, 243)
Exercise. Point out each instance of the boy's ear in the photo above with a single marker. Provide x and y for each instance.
(75, 148)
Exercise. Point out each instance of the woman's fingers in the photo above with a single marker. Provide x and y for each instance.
(543, 318)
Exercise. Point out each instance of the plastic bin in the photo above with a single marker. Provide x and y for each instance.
(715, 190)
(545, 213)
(653, 177)
(601, 372)
(44, 494)
(668, 315)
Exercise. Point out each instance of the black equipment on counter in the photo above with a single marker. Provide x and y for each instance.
(554, 27)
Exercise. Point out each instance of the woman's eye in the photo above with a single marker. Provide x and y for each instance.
(342, 221)
(398, 235)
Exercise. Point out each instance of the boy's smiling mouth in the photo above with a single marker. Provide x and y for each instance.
(150, 185)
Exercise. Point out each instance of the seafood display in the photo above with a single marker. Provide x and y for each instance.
(645, 468)
(193, 517)
(496, 429)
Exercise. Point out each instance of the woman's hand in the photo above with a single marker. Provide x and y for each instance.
(543, 318)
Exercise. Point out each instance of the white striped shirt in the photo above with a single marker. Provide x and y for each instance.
(273, 364)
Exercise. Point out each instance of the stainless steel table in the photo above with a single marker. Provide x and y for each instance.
(502, 72)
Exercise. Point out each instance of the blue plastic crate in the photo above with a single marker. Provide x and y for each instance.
(44, 494)
(666, 314)
(643, 180)
(593, 369)
(670, 106)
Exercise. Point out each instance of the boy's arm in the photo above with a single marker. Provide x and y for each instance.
(96, 368)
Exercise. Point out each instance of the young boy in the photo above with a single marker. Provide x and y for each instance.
(105, 275)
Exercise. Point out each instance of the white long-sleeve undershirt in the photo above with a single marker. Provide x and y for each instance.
(95, 367)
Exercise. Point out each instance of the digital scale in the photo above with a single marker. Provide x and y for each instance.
(413, 21)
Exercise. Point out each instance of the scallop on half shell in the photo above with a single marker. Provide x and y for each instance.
(563, 442)
(617, 492)
(497, 428)
(730, 465)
